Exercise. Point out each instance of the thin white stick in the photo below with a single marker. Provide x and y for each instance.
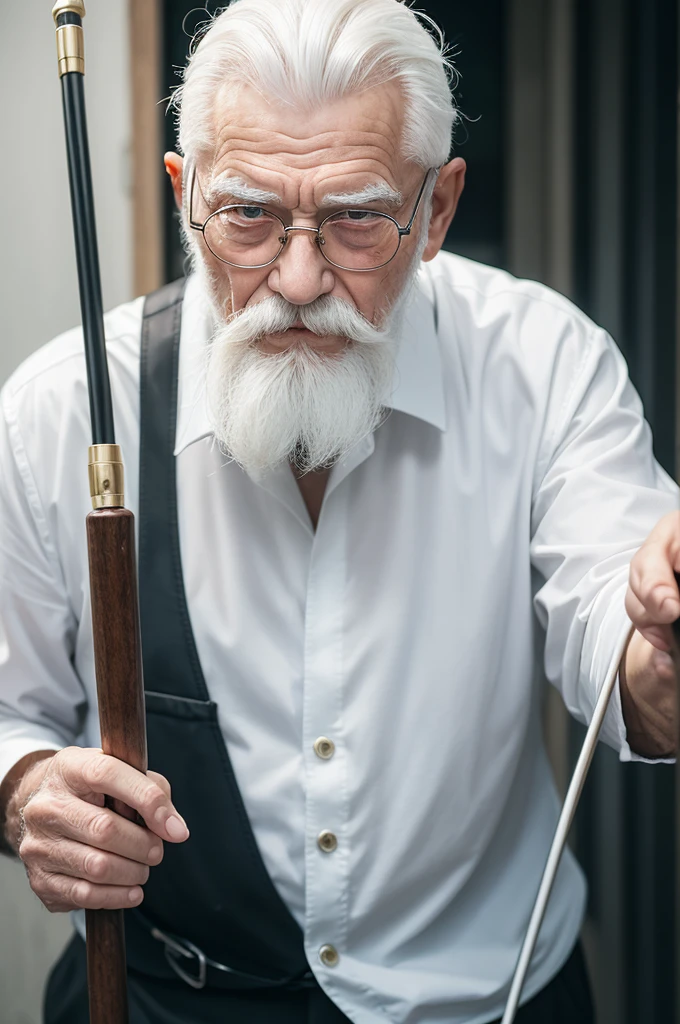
(559, 842)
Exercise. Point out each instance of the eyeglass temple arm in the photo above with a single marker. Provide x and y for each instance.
(192, 223)
(407, 229)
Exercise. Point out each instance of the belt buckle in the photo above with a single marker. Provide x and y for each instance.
(173, 949)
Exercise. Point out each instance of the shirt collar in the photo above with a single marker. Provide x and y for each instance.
(418, 385)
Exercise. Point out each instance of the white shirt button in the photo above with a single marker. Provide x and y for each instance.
(324, 748)
(327, 841)
(329, 956)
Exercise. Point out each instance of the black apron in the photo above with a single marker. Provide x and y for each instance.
(211, 899)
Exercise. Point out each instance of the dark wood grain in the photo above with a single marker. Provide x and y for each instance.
(117, 645)
(120, 694)
(106, 971)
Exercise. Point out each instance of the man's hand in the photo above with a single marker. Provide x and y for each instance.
(652, 601)
(647, 674)
(77, 852)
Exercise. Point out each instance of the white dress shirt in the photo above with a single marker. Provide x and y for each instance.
(475, 545)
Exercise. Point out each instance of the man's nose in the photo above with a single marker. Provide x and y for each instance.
(301, 274)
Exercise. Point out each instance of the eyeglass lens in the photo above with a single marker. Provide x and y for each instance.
(248, 236)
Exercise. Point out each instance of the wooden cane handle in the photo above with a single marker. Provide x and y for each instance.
(120, 694)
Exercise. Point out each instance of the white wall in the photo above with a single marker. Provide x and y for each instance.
(39, 299)
(38, 283)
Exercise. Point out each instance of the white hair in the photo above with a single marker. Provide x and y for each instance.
(311, 52)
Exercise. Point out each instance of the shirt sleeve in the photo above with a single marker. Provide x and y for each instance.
(597, 495)
(41, 697)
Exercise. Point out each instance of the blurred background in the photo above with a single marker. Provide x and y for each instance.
(571, 138)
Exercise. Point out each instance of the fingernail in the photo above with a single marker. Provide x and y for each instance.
(160, 815)
(135, 894)
(176, 828)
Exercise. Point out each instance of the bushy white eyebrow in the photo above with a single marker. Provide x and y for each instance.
(376, 192)
(234, 188)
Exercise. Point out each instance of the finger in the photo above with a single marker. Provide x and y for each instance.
(658, 636)
(644, 611)
(667, 533)
(98, 827)
(77, 860)
(60, 893)
(652, 580)
(636, 610)
(161, 781)
(100, 773)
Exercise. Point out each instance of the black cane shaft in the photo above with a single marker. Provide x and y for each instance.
(87, 258)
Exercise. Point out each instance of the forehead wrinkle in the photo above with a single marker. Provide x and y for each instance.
(263, 139)
(371, 122)
(288, 175)
(305, 187)
(271, 180)
(314, 156)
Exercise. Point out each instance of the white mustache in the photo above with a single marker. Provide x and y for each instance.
(327, 315)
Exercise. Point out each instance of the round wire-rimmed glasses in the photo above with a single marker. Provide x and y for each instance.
(250, 237)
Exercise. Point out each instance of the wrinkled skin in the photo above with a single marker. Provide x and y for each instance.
(341, 148)
(78, 853)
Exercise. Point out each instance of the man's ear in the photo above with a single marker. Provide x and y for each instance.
(447, 192)
(174, 165)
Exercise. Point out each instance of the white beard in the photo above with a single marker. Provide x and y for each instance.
(299, 405)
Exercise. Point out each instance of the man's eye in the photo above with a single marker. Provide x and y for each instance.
(251, 212)
(358, 214)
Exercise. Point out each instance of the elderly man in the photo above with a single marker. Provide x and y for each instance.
(383, 493)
